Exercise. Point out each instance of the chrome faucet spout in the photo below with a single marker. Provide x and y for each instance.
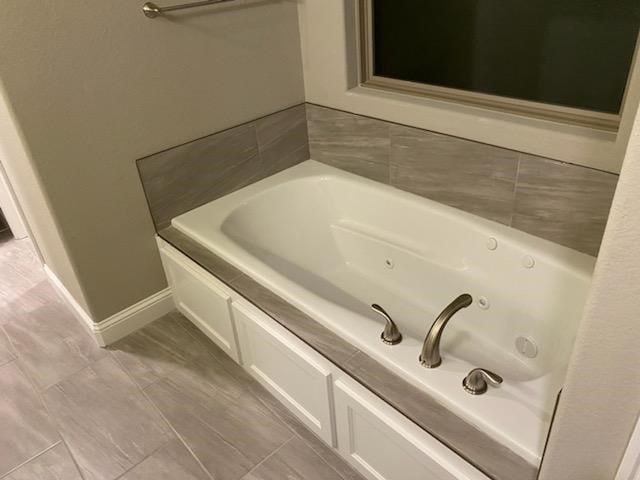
(430, 357)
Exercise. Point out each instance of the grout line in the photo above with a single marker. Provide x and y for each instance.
(145, 458)
(39, 394)
(178, 436)
(305, 441)
(214, 431)
(268, 456)
(6, 474)
(73, 458)
(12, 348)
(258, 146)
(460, 138)
(67, 376)
(163, 417)
(56, 424)
(515, 190)
(243, 124)
(8, 362)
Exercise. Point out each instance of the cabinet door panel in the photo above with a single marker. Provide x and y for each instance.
(289, 371)
(202, 299)
(383, 446)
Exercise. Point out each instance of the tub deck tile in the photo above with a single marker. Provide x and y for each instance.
(299, 323)
(491, 457)
(200, 254)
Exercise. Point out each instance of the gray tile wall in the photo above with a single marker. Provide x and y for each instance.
(564, 203)
(185, 177)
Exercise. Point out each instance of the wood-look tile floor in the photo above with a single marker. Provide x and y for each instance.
(163, 403)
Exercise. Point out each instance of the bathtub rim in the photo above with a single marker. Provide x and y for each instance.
(582, 266)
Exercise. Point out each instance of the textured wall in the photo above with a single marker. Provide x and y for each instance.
(601, 397)
(93, 86)
(564, 203)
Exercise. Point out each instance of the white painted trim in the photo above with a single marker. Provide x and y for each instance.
(122, 323)
(79, 311)
(630, 467)
(134, 317)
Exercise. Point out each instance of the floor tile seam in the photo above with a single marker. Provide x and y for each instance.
(67, 376)
(275, 451)
(167, 422)
(54, 418)
(8, 362)
(143, 393)
(149, 455)
(30, 459)
(73, 458)
(12, 348)
(304, 440)
(232, 446)
(284, 421)
(219, 434)
(324, 460)
(161, 415)
(132, 378)
(34, 383)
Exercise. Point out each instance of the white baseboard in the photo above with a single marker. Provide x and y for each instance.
(630, 467)
(122, 323)
(134, 317)
(79, 311)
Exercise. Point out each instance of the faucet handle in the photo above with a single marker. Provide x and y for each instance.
(476, 381)
(390, 335)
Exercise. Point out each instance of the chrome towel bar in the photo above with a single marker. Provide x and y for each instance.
(152, 10)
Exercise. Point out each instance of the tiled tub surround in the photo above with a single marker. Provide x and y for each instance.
(489, 456)
(182, 178)
(564, 203)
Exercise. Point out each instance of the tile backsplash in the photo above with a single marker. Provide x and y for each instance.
(567, 204)
(185, 177)
(564, 203)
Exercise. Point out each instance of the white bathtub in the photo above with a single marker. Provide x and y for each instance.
(333, 243)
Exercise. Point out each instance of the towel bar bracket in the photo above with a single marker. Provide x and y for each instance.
(152, 10)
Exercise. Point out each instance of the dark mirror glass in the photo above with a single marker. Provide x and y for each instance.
(574, 53)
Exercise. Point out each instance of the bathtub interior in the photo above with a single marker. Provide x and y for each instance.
(354, 244)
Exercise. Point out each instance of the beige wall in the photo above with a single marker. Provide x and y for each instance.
(601, 397)
(95, 85)
(329, 50)
(28, 189)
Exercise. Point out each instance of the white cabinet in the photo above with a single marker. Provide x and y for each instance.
(299, 377)
(374, 437)
(384, 445)
(201, 298)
